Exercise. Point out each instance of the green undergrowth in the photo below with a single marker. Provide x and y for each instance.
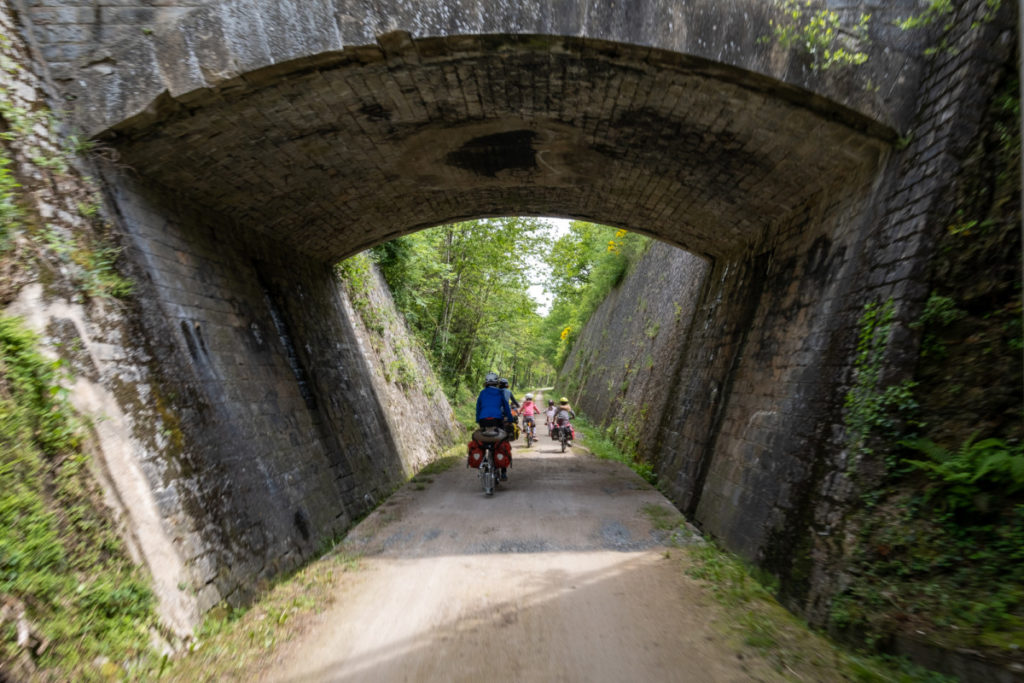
(754, 619)
(236, 643)
(936, 548)
(452, 457)
(939, 553)
(586, 266)
(941, 549)
(463, 402)
(603, 447)
(90, 612)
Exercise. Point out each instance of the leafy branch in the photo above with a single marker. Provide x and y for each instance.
(820, 34)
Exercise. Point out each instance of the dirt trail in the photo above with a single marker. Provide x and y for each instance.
(560, 576)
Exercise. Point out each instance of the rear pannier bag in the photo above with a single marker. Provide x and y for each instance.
(476, 454)
(503, 454)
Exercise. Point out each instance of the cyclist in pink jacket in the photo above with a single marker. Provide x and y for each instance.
(528, 410)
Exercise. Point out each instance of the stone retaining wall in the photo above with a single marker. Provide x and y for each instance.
(239, 424)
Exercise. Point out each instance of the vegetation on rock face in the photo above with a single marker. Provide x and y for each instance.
(585, 265)
(820, 34)
(938, 551)
(73, 606)
(72, 603)
(85, 255)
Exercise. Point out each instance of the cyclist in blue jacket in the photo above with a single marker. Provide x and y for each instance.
(492, 408)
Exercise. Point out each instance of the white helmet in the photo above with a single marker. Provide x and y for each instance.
(529, 397)
(491, 379)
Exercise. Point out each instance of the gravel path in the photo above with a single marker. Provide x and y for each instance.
(560, 576)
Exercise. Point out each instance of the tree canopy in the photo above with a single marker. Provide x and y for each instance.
(464, 290)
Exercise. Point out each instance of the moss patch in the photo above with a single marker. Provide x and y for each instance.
(63, 567)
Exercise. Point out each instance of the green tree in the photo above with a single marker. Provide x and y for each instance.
(585, 265)
(463, 289)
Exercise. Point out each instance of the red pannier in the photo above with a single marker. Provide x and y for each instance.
(503, 454)
(476, 454)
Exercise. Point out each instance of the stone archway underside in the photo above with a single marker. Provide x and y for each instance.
(336, 152)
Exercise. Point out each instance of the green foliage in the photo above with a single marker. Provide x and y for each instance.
(35, 384)
(747, 594)
(20, 123)
(92, 263)
(819, 33)
(463, 402)
(871, 409)
(90, 259)
(402, 371)
(939, 310)
(938, 551)
(462, 289)
(445, 462)
(957, 573)
(936, 10)
(603, 447)
(731, 580)
(60, 556)
(943, 10)
(10, 212)
(356, 275)
(969, 477)
(585, 265)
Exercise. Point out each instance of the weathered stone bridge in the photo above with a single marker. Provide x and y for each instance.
(258, 142)
(328, 126)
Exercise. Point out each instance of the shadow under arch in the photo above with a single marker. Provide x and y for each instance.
(335, 152)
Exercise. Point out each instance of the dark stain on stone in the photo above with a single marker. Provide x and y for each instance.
(189, 341)
(375, 112)
(665, 140)
(302, 523)
(287, 339)
(487, 155)
(823, 260)
(199, 339)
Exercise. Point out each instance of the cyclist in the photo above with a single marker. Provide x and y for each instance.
(492, 408)
(563, 414)
(528, 410)
(503, 385)
(550, 413)
(514, 405)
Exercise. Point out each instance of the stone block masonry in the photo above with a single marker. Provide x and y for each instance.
(240, 425)
(416, 409)
(756, 448)
(622, 367)
(297, 439)
(72, 33)
(260, 142)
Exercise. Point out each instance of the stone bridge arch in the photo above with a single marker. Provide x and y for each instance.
(678, 120)
(257, 143)
(334, 153)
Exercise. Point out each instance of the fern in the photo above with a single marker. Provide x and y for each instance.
(982, 467)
